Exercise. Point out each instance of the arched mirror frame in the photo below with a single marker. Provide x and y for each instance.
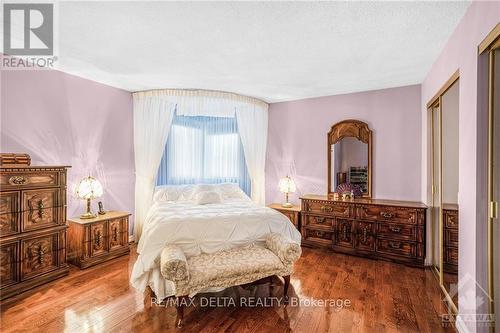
(355, 129)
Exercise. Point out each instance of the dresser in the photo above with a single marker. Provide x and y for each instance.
(93, 241)
(32, 226)
(450, 239)
(379, 229)
(293, 213)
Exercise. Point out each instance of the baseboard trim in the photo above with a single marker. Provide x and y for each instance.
(460, 325)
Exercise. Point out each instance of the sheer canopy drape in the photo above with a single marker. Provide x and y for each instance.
(152, 119)
(252, 125)
(153, 114)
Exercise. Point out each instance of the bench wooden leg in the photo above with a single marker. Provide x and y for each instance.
(285, 289)
(181, 304)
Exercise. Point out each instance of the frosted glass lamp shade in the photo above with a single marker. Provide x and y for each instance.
(287, 185)
(89, 188)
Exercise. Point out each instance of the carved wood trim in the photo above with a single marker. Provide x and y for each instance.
(350, 128)
(355, 129)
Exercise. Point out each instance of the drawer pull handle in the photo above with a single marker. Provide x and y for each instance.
(98, 238)
(395, 245)
(395, 229)
(387, 215)
(41, 255)
(365, 234)
(320, 220)
(328, 209)
(345, 232)
(18, 180)
(40, 209)
(319, 233)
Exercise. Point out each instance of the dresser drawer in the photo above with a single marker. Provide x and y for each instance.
(41, 209)
(396, 247)
(9, 213)
(397, 231)
(13, 180)
(332, 209)
(386, 213)
(9, 265)
(451, 237)
(318, 221)
(39, 255)
(450, 219)
(118, 234)
(319, 237)
(451, 255)
(99, 238)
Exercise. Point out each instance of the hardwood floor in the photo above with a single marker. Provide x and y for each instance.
(384, 297)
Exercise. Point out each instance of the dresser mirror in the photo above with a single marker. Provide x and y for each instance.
(350, 158)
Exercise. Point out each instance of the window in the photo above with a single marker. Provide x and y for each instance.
(203, 150)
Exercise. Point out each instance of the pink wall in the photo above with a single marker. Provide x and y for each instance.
(61, 119)
(461, 52)
(297, 141)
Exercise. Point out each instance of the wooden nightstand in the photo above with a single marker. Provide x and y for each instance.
(93, 241)
(292, 213)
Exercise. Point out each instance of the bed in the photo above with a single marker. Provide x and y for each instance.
(179, 217)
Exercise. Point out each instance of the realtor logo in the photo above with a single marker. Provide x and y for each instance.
(28, 29)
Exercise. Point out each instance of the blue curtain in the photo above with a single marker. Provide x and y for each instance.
(204, 150)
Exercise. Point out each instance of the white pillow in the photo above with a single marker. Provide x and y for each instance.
(208, 197)
(204, 188)
(231, 191)
(173, 193)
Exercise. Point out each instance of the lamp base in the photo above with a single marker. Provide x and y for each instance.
(287, 205)
(88, 215)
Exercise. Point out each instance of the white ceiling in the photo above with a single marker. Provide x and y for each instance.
(275, 51)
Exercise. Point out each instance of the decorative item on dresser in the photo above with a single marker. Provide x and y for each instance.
(93, 241)
(293, 213)
(450, 225)
(32, 225)
(380, 229)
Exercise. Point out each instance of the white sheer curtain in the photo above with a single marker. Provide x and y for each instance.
(252, 126)
(152, 119)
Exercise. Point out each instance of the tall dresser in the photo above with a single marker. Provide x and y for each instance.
(379, 229)
(32, 226)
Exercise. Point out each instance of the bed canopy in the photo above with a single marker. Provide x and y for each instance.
(153, 114)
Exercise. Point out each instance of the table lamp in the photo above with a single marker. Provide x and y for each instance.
(287, 185)
(88, 189)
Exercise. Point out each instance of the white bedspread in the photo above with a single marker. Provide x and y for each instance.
(201, 229)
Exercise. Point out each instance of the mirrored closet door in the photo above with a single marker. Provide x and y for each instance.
(491, 51)
(435, 172)
(495, 178)
(443, 184)
(449, 202)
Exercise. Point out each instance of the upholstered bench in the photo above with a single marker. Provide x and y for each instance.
(227, 268)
